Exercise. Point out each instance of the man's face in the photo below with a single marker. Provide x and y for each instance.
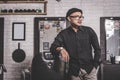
(76, 18)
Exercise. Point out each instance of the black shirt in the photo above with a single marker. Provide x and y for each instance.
(79, 46)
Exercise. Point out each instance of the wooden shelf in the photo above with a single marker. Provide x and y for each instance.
(23, 13)
(9, 2)
(44, 12)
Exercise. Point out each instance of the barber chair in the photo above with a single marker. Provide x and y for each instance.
(61, 67)
(2, 70)
(57, 64)
(52, 68)
(26, 74)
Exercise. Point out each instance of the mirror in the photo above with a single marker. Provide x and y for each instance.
(110, 36)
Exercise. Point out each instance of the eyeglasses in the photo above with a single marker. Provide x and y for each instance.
(77, 17)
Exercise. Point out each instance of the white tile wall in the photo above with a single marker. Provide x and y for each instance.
(93, 10)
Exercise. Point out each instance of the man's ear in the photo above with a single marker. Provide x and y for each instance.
(68, 18)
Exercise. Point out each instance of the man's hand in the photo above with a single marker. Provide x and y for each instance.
(64, 54)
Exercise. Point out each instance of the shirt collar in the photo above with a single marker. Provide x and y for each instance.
(80, 28)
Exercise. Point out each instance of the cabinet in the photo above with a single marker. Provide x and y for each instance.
(23, 7)
(110, 71)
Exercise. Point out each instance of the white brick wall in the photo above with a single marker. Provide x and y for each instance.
(93, 10)
(14, 69)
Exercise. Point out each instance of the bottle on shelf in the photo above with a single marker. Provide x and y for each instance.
(38, 10)
(10, 11)
(33, 10)
(4, 10)
(16, 10)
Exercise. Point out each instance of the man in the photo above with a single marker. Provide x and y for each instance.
(75, 45)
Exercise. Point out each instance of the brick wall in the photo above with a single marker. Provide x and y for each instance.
(93, 10)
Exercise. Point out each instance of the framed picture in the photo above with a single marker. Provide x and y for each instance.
(18, 31)
(45, 45)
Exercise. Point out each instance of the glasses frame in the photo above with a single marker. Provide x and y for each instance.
(77, 17)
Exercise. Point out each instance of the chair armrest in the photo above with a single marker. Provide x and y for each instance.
(26, 74)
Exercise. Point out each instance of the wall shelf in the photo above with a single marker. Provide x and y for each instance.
(23, 13)
(8, 2)
(5, 11)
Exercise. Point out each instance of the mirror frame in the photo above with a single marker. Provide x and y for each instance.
(103, 35)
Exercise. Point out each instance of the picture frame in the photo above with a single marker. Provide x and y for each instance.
(18, 31)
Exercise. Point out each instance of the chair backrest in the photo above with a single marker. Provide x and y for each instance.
(61, 67)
